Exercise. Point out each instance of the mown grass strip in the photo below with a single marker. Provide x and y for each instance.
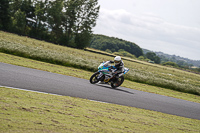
(23, 111)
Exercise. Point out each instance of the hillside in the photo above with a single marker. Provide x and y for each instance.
(174, 58)
(105, 43)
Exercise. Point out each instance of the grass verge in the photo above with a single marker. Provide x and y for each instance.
(23, 111)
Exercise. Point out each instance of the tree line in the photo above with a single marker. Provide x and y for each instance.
(64, 22)
(112, 44)
(123, 48)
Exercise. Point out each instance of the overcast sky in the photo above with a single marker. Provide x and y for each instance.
(169, 26)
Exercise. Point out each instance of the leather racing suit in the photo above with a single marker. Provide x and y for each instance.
(120, 68)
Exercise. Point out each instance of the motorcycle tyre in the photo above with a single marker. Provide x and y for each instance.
(113, 84)
(94, 76)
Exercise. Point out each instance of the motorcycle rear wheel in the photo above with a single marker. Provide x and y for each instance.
(117, 83)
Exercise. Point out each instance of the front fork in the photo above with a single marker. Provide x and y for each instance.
(99, 76)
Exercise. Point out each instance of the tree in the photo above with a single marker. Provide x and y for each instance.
(122, 52)
(170, 64)
(82, 39)
(28, 8)
(21, 11)
(102, 42)
(54, 13)
(87, 14)
(108, 51)
(152, 56)
(80, 18)
(4, 15)
(39, 25)
(19, 22)
(64, 22)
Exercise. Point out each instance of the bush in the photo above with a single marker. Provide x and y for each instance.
(124, 53)
(170, 64)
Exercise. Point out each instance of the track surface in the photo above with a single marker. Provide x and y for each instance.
(32, 79)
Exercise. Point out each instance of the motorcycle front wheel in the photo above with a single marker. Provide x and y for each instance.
(118, 82)
(94, 79)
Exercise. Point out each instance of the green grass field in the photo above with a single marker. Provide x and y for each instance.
(23, 111)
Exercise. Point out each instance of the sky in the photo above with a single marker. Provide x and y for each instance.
(169, 26)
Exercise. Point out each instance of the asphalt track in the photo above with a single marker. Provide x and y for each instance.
(42, 81)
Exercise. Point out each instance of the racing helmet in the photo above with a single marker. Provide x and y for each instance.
(117, 60)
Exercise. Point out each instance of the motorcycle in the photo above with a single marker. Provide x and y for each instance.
(106, 73)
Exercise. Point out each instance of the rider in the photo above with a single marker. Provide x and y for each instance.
(119, 65)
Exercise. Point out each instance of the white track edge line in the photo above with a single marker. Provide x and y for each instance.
(44, 93)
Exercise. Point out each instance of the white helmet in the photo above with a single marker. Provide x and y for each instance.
(117, 60)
